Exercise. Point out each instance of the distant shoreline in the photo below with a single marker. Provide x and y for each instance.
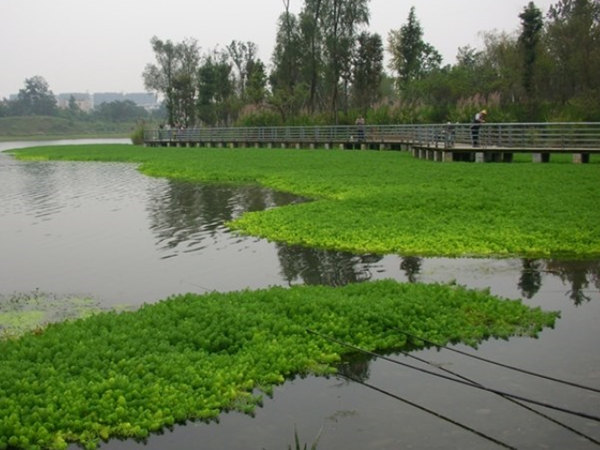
(56, 137)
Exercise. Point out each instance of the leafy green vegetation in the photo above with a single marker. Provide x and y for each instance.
(191, 357)
(388, 202)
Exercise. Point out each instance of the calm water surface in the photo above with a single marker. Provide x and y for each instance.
(106, 231)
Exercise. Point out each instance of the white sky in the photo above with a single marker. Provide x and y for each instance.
(104, 45)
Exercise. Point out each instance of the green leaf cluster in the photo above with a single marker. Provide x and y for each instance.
(192, 356)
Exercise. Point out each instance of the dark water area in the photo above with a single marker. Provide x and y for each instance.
(104, 230)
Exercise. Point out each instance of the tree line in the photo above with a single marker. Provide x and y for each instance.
(327, 68)
(37, 99)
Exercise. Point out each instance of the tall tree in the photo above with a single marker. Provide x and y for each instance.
(573, 40)
(243, 55)
(216, 89)
(412, 57)
(311, 33)
(340, 22)
(287, 67)
(256, 84)
(35, 98)
(367, 71)
(160, 77)
(531, 29)
(185, 82)
(174, 75)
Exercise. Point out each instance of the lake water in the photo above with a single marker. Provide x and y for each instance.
(104, 230)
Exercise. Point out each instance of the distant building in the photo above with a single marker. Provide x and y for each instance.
(83, 101)
(146, 100)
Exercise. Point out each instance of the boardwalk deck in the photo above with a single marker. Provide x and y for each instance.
(447, 142)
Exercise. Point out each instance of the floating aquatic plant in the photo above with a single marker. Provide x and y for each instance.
(388, 202)
(192, 356)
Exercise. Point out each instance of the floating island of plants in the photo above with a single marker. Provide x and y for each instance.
(191, 357)
(389, 202)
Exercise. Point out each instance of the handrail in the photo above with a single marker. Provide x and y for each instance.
(551, 136)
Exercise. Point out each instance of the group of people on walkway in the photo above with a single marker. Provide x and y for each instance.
(478, 119)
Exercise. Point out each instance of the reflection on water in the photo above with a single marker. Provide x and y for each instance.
(579, 275)
(187, 217)
(411, 265)
(102, 216)
(332, 268)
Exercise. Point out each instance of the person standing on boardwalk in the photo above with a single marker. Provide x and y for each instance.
(360, 128)
(477, 121)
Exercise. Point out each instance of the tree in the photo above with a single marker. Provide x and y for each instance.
(367, 71)
(340, 21)
(311, 44)
(215, 89)
(531, 28)
(175, 76)
(185, 82)
(35, 98)
(412, 58)
(120, 111)
(256, 84)
(289, 67)
(160, 77)
(243, 55)
(573, 43)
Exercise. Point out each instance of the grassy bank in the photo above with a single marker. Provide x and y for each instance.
(50, 127)
(192, 357)
(388, 202)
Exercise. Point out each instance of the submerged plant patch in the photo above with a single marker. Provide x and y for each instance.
(388, 202)
(22, 313)
(190, 357)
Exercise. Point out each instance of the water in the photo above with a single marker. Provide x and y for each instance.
(106, 231)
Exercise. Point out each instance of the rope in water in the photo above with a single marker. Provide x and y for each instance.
(512, 400)
(422, 408)
(477, 386)
(517, 369)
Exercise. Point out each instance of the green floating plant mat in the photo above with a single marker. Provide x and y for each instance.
(190, 357)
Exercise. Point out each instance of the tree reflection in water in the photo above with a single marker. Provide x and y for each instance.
(411, 265)
(185, 215)
(530, 281)
(189, 213)
(326, 267)
(579, 274)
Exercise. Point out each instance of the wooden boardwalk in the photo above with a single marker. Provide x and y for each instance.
(470, 153)
(435, 142)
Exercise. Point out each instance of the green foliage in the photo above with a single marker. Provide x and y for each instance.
(389, 202)
(297, 445)
(190, 357)
(35, 98)
(137, 137)
(120, 111)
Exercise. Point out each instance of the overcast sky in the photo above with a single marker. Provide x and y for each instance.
(104, 45)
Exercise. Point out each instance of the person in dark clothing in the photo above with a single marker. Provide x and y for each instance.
(477, 121)
(360, 128)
